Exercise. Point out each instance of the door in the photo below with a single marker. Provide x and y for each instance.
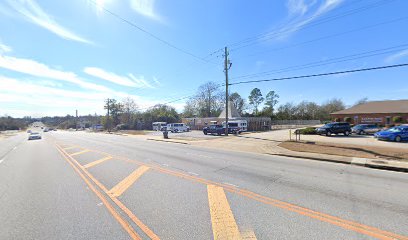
(405, 134)
(388, 120)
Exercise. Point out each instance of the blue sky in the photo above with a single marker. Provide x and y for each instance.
(58, 56)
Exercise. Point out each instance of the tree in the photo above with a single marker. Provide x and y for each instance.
(129, 109)
(255, 98)
(331, 106)
(190, 108)
(208, 102)
(271, 101)
(115, 110)
(361, 101)
(238, 101)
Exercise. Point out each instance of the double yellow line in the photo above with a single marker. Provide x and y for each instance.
(84, 174)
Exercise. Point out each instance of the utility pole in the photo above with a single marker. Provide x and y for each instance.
(227, 65)
(76, 120)
(108, 118)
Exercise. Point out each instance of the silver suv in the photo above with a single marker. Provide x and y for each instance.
(365, 129)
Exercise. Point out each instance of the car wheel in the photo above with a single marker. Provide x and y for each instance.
(219, 134)
(398, 139)
(328, 133)
(205, 132)
(346, 133)
(360, 132)
(176, 130)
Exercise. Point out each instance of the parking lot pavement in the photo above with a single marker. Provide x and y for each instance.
(191, 135)
(364, 140)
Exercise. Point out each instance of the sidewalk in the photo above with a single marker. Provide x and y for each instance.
(245, 143)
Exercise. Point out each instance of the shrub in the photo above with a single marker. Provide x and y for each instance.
(307, 131)
(397, 119)
(347, 119)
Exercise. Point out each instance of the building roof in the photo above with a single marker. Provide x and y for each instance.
(232, 111)
(390, 106)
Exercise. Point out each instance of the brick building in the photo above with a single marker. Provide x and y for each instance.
(378, 112)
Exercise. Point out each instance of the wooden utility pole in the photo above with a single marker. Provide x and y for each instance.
(226, 67)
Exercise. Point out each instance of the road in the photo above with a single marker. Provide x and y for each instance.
(77, 185)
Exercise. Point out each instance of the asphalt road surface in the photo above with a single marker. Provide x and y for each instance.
(77, 185)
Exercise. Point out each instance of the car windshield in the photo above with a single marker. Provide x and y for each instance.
(328, 125)
(395, 129)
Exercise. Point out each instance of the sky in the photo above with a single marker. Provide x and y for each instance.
(60, 56)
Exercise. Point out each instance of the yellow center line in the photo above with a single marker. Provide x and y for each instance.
(222, 220)
(121, 187)
(81, 152)
(132, 233)
(97, 162)
(67, 148)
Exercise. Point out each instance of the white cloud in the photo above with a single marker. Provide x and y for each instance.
(35, 14)
(145, 8)
(299, 7)
(298, 10)
(129, 81)
(37, 69)
(35, 99)
(4, 48)
(397, 56)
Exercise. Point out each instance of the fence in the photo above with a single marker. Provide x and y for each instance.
(289, 124)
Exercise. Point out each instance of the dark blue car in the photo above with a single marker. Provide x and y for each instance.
(396, 134)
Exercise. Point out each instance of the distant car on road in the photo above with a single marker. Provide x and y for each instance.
(365, 129)
(34, 135)
(28, 131)
(396, 134)
(334, 127)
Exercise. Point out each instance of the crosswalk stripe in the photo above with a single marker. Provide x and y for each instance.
(222, 220)
(97, 162)
(121, 187)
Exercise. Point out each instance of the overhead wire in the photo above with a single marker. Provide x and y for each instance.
(147, 32)
(267, 36)
(328, 61)
(322, 74)
(326, 37)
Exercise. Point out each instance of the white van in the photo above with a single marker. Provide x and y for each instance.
(242, 124)
(159, 126)
(177, 127)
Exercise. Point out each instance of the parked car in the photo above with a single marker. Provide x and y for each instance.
(219, 130)
(34, 135)
(335, 127)
(396, 134)
(365, 129)
(29, 131)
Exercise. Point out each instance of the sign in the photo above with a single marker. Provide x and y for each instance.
(372, 120)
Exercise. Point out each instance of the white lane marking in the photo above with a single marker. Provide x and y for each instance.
(14, 148)
(165, 164)
(193, 173)
(231, 184)
(1, 160)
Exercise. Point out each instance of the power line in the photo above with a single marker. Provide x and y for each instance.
(327, 37)
(266, 36)
(328, 61)
(147, 32)
(323, 74)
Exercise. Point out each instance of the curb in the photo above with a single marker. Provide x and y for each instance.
(159, 140)
(367, 165)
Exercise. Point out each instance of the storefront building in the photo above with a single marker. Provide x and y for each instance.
(376, 112)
